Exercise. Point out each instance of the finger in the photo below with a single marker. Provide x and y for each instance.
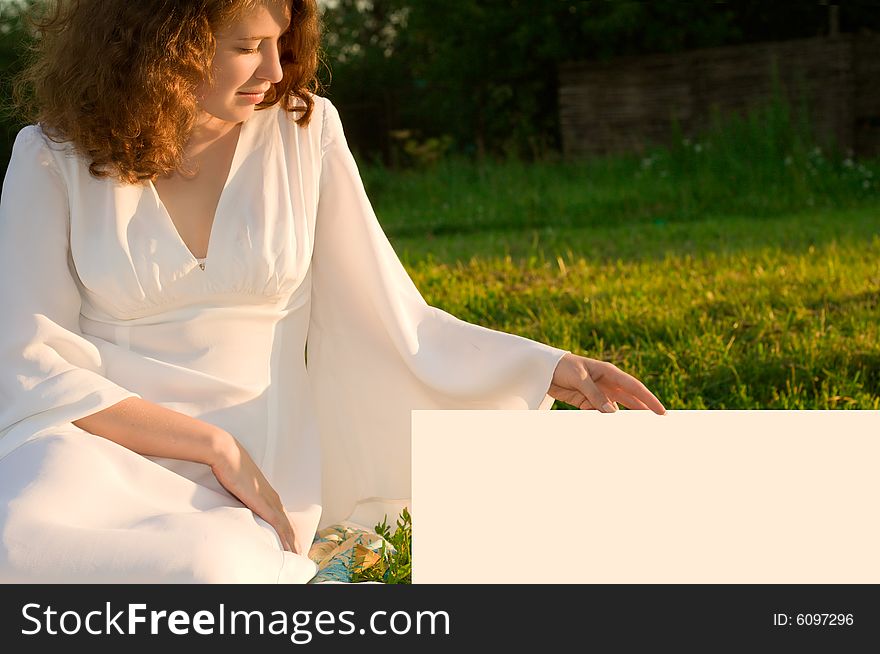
(284, 538)
(637, 389)
(294, 545)
(291, 535)
(596, 398)
(631, 402)
(285, 534)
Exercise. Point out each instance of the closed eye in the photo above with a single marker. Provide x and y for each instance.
(248, 50)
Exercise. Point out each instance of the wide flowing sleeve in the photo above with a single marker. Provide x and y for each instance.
(376, 350)
(49, 373)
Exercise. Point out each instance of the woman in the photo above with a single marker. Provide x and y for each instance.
(181, 219)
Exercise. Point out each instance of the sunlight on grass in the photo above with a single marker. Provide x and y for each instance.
(748, 329)
(740, 271)
(737, 270)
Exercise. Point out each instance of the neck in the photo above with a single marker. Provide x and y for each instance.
(210, 131)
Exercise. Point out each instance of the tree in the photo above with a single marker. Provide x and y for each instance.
(14, 38)
(484, 71)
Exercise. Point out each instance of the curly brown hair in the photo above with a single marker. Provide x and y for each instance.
(118, 79)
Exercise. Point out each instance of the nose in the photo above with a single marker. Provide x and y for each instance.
(270, 67)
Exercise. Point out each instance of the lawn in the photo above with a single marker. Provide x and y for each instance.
(721, 313)
(725, 313)
(738, 271)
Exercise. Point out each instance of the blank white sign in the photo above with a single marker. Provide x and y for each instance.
(633, 497)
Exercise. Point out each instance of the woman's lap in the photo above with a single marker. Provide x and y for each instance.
(78, 508)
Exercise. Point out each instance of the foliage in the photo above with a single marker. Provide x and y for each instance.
(484, 72)
(764, 164)
(737, 270)
(13, 44)
(396, 567)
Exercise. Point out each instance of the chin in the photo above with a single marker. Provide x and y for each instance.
(237, 114)
(231, 113)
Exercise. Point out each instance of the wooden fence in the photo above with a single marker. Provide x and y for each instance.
(628, 103)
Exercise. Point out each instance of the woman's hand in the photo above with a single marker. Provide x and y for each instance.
(591, 384)
(239, 474)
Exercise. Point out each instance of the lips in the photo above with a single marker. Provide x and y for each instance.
(254, 92)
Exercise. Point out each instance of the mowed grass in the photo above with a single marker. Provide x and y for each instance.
(763, 295)
(724, 314)
(741, 271)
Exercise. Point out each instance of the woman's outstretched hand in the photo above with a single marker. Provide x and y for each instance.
(591, 384)
(239, 474)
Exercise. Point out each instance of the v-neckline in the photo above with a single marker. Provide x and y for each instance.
(233, 167)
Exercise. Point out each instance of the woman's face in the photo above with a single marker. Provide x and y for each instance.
(246, 59)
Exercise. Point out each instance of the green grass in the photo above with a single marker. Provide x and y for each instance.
(733, 314)
(739, 271)
(461, 197)
(395, 566)
(725, 313)
(762, 165)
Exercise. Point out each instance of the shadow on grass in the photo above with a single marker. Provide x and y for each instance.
(792, 383)
(866, 300)
(632, 242)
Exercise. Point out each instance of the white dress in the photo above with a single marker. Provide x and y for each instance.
(103, 301)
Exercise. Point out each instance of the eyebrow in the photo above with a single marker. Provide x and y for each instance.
(253, 38)
(259, 38)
